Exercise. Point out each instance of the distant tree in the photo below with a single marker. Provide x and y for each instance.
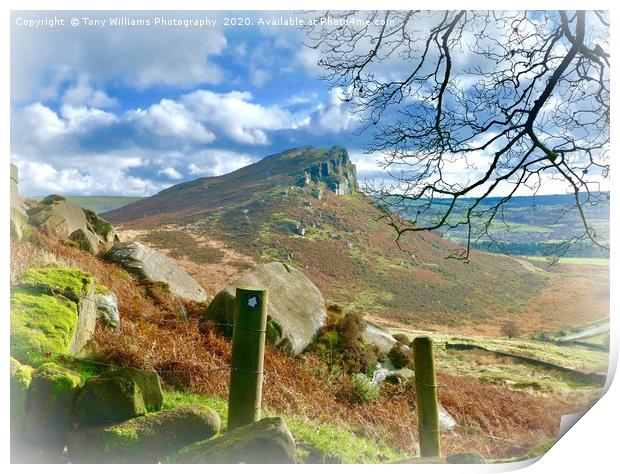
(510, 329)
(514, 96)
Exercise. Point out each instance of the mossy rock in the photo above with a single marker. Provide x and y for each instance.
(108, 400)
(146, 439)
(21, 377)
(52, 312)
(50, 401)
(267, 441)
(41, 325)
(71, 283)
(148, 381)
(84, 240)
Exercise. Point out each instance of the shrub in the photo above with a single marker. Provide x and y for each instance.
(510, 329)
(363, 389)
(335, 308)
(542, 336)
(400, 356)
(340, 343)
(351, 328)
(402, 338)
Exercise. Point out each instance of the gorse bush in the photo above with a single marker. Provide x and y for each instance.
(340, 343)
(400, 356)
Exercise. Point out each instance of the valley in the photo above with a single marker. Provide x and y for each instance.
(505, 390)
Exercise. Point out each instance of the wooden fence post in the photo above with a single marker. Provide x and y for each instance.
(248, 350)
(426, 397)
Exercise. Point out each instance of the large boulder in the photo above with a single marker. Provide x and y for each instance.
(50, 400)
(148, 381)
(379, 337)
(150, 266)
(146, 439)
(57, 216)
(117, 395)
(267, 441)
(19, 208)
(52, 313)
(103, 401)
(296, 309)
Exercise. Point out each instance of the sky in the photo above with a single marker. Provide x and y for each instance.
(104, 109)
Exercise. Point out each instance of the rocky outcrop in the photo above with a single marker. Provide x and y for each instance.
(150, 266)
(296, 309)
(336, 172)
(117, 395)
(267, 441)
(52, 313)
(57, 216)
(146, 439)
(19, 208)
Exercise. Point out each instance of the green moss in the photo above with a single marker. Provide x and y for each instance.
(273, 331)
(108, 400)
(174, 399)
(101, 289)
(21, 377)
(41, 325)
(50, 401)
(125, 433)
(68, 282)
(60, 378)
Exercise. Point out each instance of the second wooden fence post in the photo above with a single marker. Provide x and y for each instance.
(426, 397)
(248, 350)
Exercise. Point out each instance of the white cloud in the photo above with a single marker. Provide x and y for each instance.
(170, 172)
(333, 115)
(218, 162)
(38, 178)
(139, 57)
(38, 122)
(83, 94)
(235, 116)
(169, 118)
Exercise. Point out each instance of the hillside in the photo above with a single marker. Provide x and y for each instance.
(219, 227)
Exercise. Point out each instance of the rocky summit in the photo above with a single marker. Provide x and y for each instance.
(328, 168)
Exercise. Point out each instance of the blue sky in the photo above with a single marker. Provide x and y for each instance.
(130, 111)
(127, 110)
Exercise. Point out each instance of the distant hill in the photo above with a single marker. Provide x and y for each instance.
(100, 203)
(301, 206)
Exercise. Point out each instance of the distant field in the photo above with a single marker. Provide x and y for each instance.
(530, 226)
(599, 262)
(101, 203)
